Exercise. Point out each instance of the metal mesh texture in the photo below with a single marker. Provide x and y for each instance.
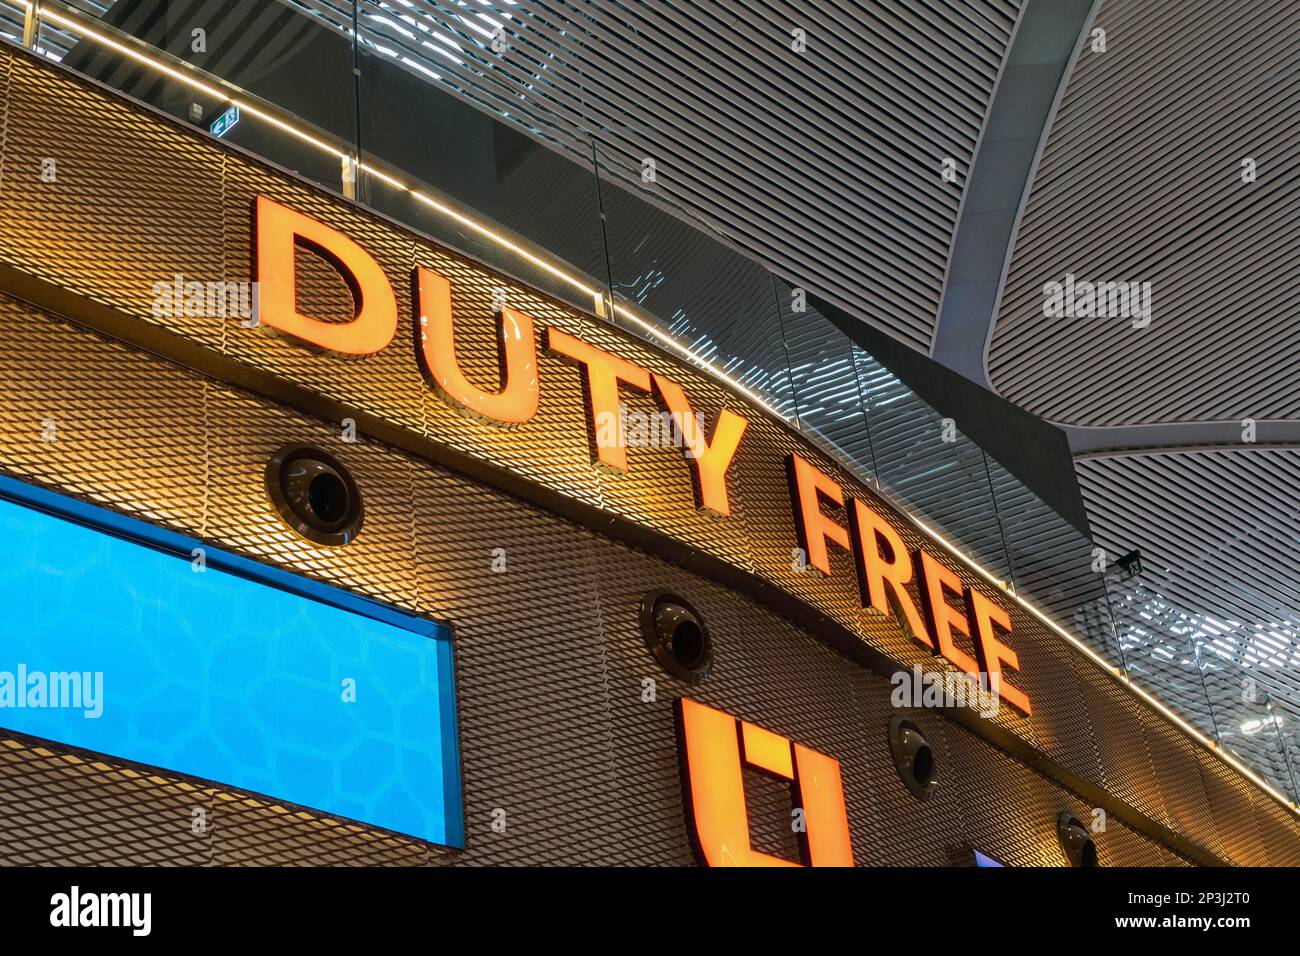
(551, 663)
(556, 727)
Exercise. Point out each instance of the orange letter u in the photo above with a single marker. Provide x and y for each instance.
(713, 745)
(516, 400)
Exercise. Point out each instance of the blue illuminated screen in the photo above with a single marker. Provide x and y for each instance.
(224, 669)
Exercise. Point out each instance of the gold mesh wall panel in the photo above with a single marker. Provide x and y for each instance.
(1010, 812)
(386, 383)
(1278, 829)
(380, 562)
(657, 488)
(63, 420)
(532, 688)
(551, 672)
(1047, 676)
(79, 810)
(105, 225)
(252, 832)
(551, 665)
(1230, 800)
(766, 672)
(1114, 717)
(1178, 768)
(910, 832)
(1117, 845)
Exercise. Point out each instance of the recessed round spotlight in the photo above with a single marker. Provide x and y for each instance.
(1076, 842)
(913, 757)
(676, 635)
(314, 494)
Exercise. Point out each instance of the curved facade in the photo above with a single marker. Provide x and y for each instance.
(825, 533)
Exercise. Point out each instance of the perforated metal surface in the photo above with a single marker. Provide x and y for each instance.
(111, 166)
(60, 806)
(555, 727)
(75, 809)
(1009, 811)
(1114, 719)
(716, 95)
(533, 695)
(1141, 180)
(94, 430)
(551, 664)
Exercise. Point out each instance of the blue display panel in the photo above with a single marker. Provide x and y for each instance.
(113, 640)
(982, 859)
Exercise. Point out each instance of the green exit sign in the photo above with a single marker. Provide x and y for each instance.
(224, 123)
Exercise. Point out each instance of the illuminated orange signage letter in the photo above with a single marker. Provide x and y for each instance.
(279, 231)
(942, 616)
(709, 459)
(992, 652)
(715, 799)
(603, 374)
(516, 400)
(808, 486)
(875, 573)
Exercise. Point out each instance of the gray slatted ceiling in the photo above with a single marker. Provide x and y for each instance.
(1219, 533)
(1219, 530)
(1140, 180)
(270, 33)
(823, 165)
(722, 305)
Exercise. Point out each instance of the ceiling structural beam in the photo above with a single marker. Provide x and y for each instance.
(1100, 442)
(1046, 43)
